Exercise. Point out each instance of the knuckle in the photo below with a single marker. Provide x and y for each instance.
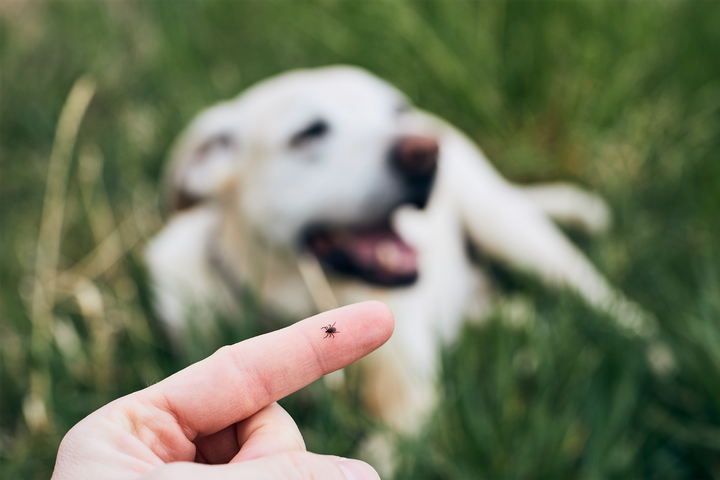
(291, 439)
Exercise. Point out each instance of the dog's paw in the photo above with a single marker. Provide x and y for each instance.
(570, 205)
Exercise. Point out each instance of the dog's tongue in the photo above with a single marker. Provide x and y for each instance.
(377, 255)
(382, 250)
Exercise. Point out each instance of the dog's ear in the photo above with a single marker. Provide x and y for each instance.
(203, 163)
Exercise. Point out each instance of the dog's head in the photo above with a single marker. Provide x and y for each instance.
(314, 159)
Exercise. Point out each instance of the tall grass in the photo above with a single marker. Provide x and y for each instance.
(623, 98)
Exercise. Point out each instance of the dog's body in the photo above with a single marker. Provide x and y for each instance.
(307, 189)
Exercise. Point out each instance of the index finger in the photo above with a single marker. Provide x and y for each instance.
(238, 380)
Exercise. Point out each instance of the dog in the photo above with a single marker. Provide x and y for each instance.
(323, 187)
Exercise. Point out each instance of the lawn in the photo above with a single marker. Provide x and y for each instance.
(620, 97)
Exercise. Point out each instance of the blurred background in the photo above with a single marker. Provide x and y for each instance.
(621, 97)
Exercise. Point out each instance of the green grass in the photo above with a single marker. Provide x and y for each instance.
(622, 97)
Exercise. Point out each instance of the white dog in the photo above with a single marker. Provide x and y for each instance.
(324, 187)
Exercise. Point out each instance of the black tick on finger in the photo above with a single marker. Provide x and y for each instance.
(330, 330)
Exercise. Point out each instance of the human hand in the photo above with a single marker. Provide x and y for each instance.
(217, 419)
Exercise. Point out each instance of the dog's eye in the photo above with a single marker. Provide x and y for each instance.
(402, 108)
(315, 130)
(222, 141)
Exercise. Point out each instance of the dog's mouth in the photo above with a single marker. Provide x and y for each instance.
(375, 254)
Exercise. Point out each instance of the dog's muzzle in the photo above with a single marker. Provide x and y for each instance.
(376, 253)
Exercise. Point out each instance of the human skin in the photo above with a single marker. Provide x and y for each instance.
(217, 419)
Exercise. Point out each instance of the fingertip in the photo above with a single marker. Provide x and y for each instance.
(383, 311)
(373, 318)
(382, 316)
(365, 327)
(356, 469)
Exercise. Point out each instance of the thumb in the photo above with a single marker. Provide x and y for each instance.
(284, 466)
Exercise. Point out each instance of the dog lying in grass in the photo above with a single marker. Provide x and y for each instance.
(319, 188)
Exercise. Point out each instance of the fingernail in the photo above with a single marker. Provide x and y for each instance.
(356, 470)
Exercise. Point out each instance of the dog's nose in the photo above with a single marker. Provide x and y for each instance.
(415, 156)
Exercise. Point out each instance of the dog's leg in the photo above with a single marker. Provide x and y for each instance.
(506, 224)
(570, 205)
(187, 295)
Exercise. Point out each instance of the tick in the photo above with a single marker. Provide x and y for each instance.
(330, 330)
